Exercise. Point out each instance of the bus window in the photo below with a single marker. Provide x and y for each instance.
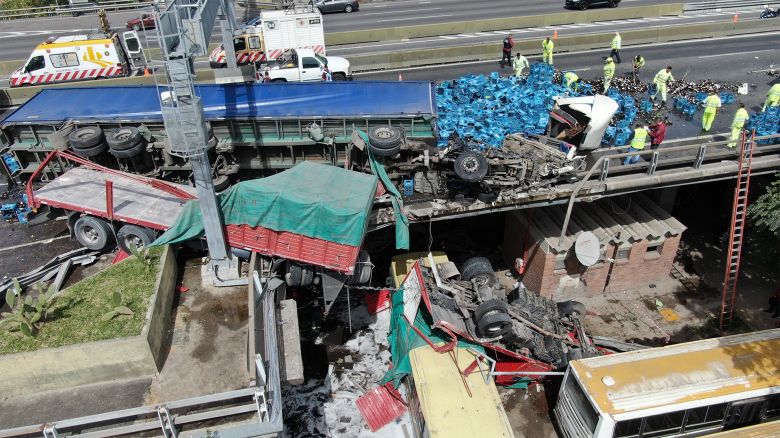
(628, 428)
(705, 417)
(668, 424)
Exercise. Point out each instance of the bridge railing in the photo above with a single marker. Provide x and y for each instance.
(65, 10)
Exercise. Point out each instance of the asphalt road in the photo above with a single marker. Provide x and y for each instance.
(19, 37)
(731, 59)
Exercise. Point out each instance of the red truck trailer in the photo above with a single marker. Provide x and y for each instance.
(316, 224)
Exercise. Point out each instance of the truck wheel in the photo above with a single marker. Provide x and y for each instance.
(363, 268)
(133, 236)
(299, 275)
(488, 307)
(479, 269)
(86, 137)
(221, 183)
(339, 77)
(90, 151)
(123, 138)
(494, 325)
(129, 153)
(385, 137)
(471, 166)
(348, 9)
(93, 233)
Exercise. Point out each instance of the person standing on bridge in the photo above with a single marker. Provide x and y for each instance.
(616, 44)
(773, 97)
(519, 64)
(657, 133)
(547, 50)
(571, 81)
(740, 117)
(712, 106)
(637, 143)
(506, 56)
(661, 79)
(609, 73)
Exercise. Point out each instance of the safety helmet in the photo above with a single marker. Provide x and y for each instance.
(608, 60)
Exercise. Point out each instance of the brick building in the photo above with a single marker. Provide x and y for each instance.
(639, 235)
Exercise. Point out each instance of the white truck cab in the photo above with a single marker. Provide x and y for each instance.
(304, 65)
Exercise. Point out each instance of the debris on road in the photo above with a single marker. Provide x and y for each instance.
(58, 266)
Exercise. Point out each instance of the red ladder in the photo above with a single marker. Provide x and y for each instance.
(737, 231)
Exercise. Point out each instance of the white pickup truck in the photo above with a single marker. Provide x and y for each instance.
(303, 65)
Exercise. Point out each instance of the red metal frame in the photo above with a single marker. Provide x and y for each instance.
(151, 182)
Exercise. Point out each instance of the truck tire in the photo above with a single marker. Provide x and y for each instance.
(488, 307)
(299, 275)
(129, 153)
(85, 137)
(363, 269)
(385, 137)
(471, 166)
(383, 152)
(494, 325)
(221, 182)
(133, 235)
(123, 138)
(339, 77)
(90, 151)
(571, 307)
(480, 269)
(93, 233)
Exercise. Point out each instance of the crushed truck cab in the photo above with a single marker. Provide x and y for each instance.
(304, 65)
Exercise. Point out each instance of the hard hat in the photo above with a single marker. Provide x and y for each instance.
(608, 60)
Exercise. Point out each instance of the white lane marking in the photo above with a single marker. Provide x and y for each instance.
(466, 35)
(568, 26)
(400, 11)
(635, 20)
(449, 37)
(587, 24)
(735, 53)
(414, 18)
(535, 29)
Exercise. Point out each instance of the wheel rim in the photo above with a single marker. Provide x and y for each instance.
(470, 164)
(123, 134)
(348, 9)
(482, 279)
(85, 133)
(384, 133)
(90, 234)
(133, 241)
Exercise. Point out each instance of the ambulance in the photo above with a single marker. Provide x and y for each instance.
(78, 58)
(273, 32)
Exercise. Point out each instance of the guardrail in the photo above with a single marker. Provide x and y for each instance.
(65, 10)
(723, 4)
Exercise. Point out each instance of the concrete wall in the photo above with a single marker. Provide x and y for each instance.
(93, 362)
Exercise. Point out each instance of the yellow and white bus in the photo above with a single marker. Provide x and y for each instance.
(685, 390)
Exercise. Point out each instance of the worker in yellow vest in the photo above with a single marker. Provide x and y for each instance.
(637, 144)
(712, 106)
(773, 97)
(661, 79)
(571, 81)
(547, 50)
(519, 64)
(609, 73)
(616, 44)
(638, 62)
(740, 118)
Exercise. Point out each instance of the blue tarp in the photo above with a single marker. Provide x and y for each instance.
(235, 101)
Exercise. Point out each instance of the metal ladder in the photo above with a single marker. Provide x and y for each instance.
(737, 230)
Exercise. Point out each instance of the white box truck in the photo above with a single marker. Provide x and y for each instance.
(273, 32)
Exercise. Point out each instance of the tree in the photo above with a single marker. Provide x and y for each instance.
(765, 212)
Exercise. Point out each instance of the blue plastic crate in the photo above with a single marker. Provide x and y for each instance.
(727, 98)
(622, 136)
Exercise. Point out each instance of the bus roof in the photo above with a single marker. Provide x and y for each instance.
(448, 408)
(692, 371)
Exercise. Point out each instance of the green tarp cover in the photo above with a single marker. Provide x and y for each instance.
(315, 200)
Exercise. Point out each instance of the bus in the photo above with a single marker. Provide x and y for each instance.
(684, 390)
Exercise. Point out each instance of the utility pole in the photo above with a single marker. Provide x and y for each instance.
(183, 33)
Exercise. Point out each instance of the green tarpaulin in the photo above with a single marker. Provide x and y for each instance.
(315, 200)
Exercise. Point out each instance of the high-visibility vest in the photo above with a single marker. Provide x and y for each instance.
(740, 117)
(616, 42)
(609, 70)
(774, 92)
(662, 77)
(547, 45)
(711, 103)
(639, 61)
(640, 136)
(570, 78)
(520, 63)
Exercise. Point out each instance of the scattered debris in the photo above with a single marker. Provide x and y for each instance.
(54, 267)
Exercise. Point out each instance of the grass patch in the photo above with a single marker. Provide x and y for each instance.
(81, 321)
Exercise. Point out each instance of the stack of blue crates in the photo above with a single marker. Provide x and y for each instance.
(765, 123)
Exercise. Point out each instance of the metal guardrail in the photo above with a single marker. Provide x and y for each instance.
(723, 4)
(252, 411)
(65, 10)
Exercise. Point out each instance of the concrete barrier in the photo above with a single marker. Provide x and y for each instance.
(94, 362)
(482, 52)
(451, 28)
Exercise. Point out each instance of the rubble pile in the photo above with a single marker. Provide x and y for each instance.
(485, 109)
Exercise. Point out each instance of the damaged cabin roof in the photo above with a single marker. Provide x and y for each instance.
(620, 221)
(681, 373)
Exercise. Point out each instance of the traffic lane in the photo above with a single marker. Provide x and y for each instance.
(539, 33)
(412, 12)
(87, 21)
(692, 60)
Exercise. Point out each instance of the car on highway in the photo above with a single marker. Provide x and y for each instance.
(145, 21)
(585, 4)
(337, 5)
